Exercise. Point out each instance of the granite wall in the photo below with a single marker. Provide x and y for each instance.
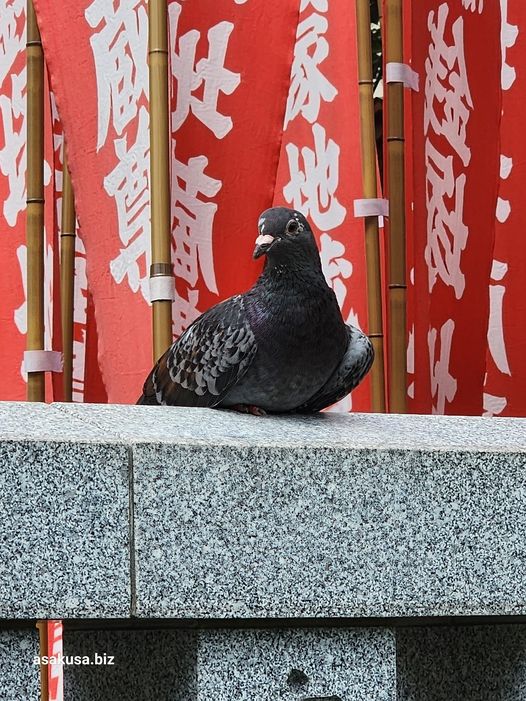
(180, 520)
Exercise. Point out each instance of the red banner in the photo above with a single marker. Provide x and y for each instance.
(505, 385)
(226, 121)
(455, 119)
(244, 139)
(320, 170)
(12, 197)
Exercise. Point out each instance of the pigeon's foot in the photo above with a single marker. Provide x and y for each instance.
(248, 409)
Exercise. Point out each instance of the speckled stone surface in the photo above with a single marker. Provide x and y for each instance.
(242, 516)
(19, 677)
(328, 516)
(479, 663)
(34, 421)
(230, 665)
(297, 665)
(155, 665)
(64, 509)
(144, 424)
(256, 532)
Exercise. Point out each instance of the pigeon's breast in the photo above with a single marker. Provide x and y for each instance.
(299, 344)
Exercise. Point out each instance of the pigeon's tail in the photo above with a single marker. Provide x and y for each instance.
(148, 400)
(149, 396)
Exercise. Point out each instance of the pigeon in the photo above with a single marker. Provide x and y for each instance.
(280, 347)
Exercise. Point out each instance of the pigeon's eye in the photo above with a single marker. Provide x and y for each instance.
(292, 227)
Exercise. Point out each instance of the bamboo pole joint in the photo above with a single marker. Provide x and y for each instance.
(161, 270)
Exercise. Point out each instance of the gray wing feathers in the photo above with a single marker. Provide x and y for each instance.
(206, 361)
(355, 364)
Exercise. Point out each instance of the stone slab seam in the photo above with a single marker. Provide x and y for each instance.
(131, 526)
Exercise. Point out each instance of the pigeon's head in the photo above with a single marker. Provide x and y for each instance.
(285, 235)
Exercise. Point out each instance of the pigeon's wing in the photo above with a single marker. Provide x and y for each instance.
(355, 364)
(206, 361)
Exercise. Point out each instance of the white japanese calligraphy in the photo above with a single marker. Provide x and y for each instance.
(312, 186)
(447, 110)
(207, 75)
(447, 233)
(12, 34)
(193, 221)
(120, 54)
(493, 405)
(308, 84)
(447, 84)
(508, 37)
(13, 151)
(335, 267)
(474, 5)
(410, 361)
(128, 184)
(12, 108)
(506, 166)
(185, 311)
(496, 342)
(503, 209)
(443, 384)
(320, 5)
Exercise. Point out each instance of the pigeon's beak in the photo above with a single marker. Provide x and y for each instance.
(263, 245)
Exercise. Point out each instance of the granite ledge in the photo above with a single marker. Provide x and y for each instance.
(410, 432)
(130, 424)
(238, 516)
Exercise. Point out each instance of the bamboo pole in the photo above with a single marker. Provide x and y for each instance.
(393, 22)
(159, 170)
(67, 276)
(369, 177)
(35, 202)
(43, 652)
